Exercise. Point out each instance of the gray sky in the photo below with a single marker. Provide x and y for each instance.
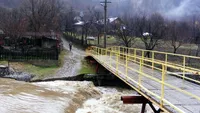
(168, 8)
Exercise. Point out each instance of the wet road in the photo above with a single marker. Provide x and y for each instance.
(72, 61)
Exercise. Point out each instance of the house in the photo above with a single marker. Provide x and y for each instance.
(115, 20)
(112, 23)
(41, 39)
(78, 26)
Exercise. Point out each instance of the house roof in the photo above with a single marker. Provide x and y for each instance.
(110, 20)
(79, 23)
(146, 34)
(91, 38)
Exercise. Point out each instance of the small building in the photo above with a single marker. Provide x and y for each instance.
(111, 21)
(112, 24)
(43, 40)
(78, 26)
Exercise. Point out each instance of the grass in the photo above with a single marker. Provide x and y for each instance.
(4, 63)
(39, 71)
(61, 58)
(86, 68)
(110, 39)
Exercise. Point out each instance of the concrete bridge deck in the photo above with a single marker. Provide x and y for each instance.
(170, 92)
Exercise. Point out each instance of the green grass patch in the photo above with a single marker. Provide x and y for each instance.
(86, 68)
(3, 62)
(42, 72)
(39, 71)
(61, 58)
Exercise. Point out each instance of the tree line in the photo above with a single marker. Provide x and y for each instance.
(31, 16)
(46, 15)
(151, 29)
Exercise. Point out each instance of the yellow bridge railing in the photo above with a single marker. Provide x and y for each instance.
(166, 63)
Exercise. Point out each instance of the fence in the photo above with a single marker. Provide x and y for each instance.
(30, 55)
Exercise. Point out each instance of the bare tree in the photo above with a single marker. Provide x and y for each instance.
(125, 30)
(88, 20)
(43, 15)
(98, 24)
(178, 34)
(13, 23)
(196, 33)
(70, 20)
(151, 30)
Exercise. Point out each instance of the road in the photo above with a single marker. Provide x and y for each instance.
(72, 61)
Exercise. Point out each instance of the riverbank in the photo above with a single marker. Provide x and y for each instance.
(33, 71)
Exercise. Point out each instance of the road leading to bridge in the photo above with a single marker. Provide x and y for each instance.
(72, 61)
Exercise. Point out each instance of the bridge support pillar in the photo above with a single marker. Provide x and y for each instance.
(139, 100)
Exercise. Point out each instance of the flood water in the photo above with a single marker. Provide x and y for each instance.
(44, 97)
(62, 97)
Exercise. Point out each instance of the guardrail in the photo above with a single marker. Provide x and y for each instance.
(161, 61)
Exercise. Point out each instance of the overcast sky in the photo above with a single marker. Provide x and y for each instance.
(168, 8)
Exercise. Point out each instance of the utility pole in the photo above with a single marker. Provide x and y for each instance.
(105, 20)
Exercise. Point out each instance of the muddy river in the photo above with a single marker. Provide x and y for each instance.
(63, 96)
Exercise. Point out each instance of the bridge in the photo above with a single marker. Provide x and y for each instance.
(170, 81)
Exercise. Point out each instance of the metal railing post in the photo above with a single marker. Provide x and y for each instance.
(106, 51)
(119, 52)
(166, 61)
(129, 51)
(97, 51)
(184, 60)
(135, 54)
(117, 61)
(110, 57)
(140, 75)
(122, 53)
(142, 56)
(126, 66)
(163, 85)
(153, 60)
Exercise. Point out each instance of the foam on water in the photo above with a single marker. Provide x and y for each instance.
(110, 102)
(44, 97)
